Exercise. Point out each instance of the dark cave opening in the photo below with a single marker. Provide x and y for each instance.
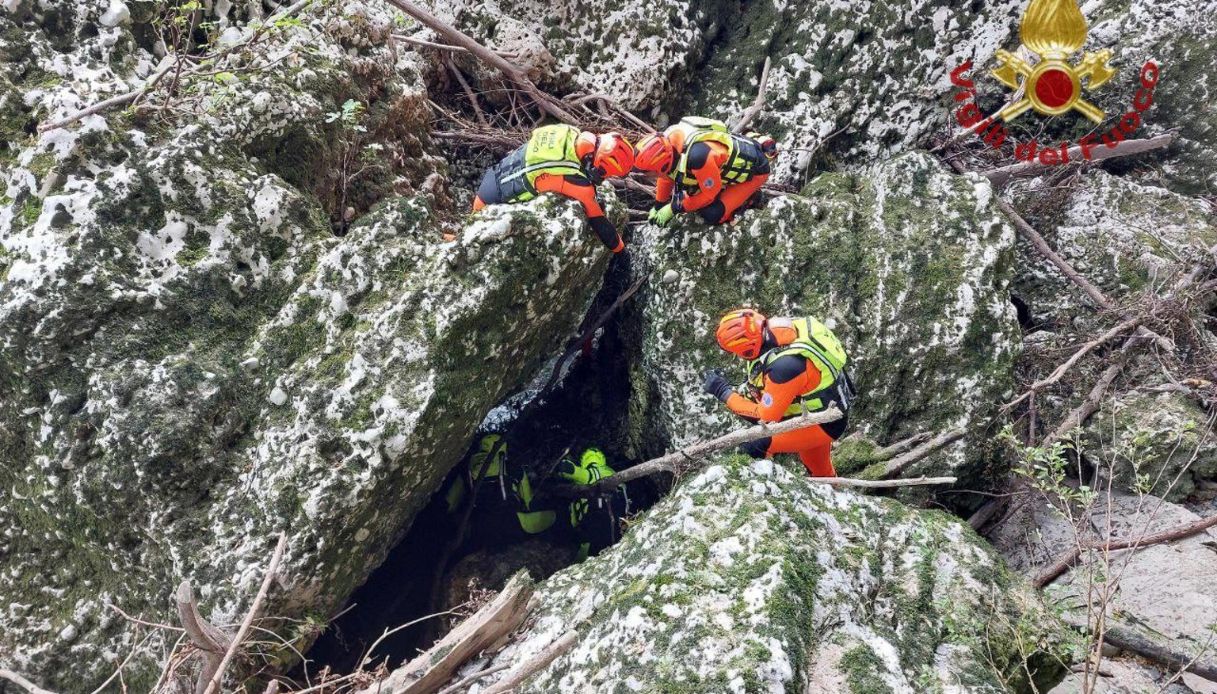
(591, 407)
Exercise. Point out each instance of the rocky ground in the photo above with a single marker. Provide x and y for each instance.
(252, 302)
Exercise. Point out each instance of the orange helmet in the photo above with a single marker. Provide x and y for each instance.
(655, 154)
(614, 155)
(742, 333)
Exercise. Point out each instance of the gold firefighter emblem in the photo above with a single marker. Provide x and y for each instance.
(1053, 30)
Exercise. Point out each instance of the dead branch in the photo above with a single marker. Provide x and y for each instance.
(464, 683)
(210, 641)
(544, 101)
(1000, 176)
(174, 65)
(473, 99)
(1128, 640)
(985, 513)
(120, 100)
(426, 673)
(896, 466)
(502, 142)
(254, 609)
(23, 682)
(608, 101)
(1031, 235)
(367, 656)
(1082, 351)
(414, 41)
(1066, 561)
(1078, 416)
(883, 484)
(534, 664)
(671, 463)
(888, 452)
(757, 104)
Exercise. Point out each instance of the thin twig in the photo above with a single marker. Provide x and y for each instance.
(757, 104)
(23, 682)
(271, 569)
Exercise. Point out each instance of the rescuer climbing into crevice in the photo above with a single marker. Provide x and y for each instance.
(794, 366)
(702, 167)
(512, 504)
(565, 160)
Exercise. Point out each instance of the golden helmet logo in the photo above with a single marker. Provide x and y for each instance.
(1051, 85)
(1054, 30)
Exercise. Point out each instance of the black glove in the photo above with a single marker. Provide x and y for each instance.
(714, 384)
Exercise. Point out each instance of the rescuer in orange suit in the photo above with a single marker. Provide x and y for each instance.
(794, 366)
(564, 160)
(702, 167)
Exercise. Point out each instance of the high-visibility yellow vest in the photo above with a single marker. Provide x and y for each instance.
(550, 150)
(818, 344)
(743, 153)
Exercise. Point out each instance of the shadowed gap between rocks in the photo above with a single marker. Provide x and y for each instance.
(591, 407)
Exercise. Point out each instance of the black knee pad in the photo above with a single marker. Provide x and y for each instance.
(758, 448)
(713, 212)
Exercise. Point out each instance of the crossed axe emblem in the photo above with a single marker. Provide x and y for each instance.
(1053, 86)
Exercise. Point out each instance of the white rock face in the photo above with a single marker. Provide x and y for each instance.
(749, 578)
(117, 13)
(191, 359)
(910, 265)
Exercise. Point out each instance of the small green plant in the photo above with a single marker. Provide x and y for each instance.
(358, 157)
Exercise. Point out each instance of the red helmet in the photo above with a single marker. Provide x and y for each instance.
(614, 155)
(742, 333)
(655, 154)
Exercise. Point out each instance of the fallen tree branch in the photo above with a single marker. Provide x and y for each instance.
(170, 65)
(669, 463)
(1061, 370)
(586, 334)
(23, 682)
(1002, 175)
(426, 673)
(254, 609)
(473, 99)
(1128, 640)
(464, 683)
(757, 104)
(113, 101)
(535, 664)
(414, 41)
(1071, 557)
(544, 101)
(1078, 416)
(888, 452)
(894, 467)
(211, 642)
(1041, 245)
(883, 484)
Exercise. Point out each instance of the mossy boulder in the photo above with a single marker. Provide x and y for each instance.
(750, 578)
(192, 363)
(1156, 443)
(1121, 235)
(907, 263)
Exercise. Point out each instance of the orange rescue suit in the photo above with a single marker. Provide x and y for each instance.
(785, 380)
(581, 189)
(718, 202)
